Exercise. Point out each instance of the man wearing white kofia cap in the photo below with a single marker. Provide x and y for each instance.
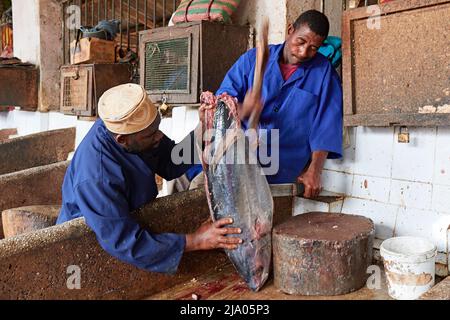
(113, 173)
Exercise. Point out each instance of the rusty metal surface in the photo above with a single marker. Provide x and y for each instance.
(35, 186)
(322, 253)
(36, 150)
(19, 87)
(27, 219)
(397, 73)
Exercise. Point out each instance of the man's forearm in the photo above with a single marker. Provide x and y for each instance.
(317, 161)
(190, 243)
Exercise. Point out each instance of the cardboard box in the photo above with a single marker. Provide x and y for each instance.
(92, 50)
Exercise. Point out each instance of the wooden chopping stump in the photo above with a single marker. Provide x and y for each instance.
(321, 253)
(26, 219)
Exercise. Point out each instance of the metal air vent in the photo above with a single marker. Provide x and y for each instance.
(76, 90)
(178, 63)
(167, 66)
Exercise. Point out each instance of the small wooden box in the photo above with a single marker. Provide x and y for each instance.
(82, 85)
(92, 50)
(19, 87)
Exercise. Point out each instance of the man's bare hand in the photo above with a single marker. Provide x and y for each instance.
(212, 235)
(312, 181)
(311, 177)
(201, 111)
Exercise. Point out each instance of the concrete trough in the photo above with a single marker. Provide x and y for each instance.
(35, 186)
(43, 264)
(28, 219)
(36, 150)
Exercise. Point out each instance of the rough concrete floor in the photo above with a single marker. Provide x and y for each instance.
(225, 284)
(441, 291)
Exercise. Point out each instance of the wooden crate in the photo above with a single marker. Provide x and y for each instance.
(19, 87)
(82, 85)
(92, 50)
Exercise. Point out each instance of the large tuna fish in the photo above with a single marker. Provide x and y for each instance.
(234, 182)
(236, 188)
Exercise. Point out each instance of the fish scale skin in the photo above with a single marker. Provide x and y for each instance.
(240, 191)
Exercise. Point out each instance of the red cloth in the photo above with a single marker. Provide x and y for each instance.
(287, 70)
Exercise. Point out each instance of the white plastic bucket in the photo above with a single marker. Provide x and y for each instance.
(409, 263)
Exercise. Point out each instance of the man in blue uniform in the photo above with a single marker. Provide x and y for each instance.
(113, 173)
(301, 97)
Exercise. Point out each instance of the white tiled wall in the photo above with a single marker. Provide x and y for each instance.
(411, 194)
(424, 223)
(349, 154)
(370, 188)
(26, 46)
(337, 182)
(33, 122)
(82, 128)
(183, 121)
(403, 188)
(178, 123)
(415, 160)
(441, 168)
(27, 122)
(58, 120)
(373, 152)
(166, 126)
(440, 199)
(383, 215)
(301, 206)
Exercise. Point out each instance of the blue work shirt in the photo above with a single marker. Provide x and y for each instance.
(104, 183)
(306, 108)
(194, 171)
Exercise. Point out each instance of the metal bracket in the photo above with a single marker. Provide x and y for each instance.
(403, 135)
(287, 190)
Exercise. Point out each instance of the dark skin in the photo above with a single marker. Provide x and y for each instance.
(302, 44)
(147, 139)
(210, 235)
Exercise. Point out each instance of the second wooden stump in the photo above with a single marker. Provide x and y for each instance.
(322, 253)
